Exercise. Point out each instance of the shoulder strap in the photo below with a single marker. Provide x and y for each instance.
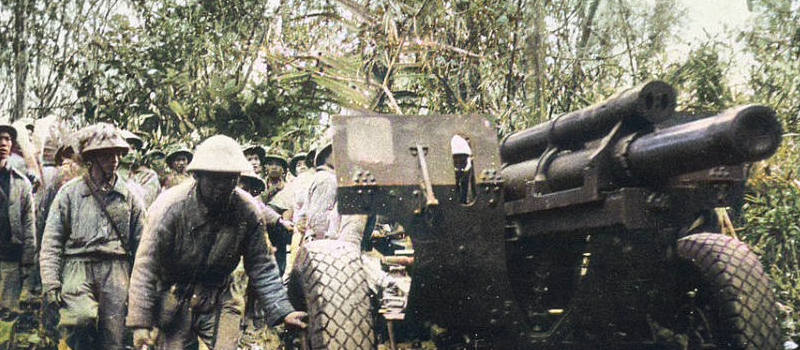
(102, 206)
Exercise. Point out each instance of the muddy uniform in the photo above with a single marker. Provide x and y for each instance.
(320, 212)
(84, 257)
(16, 236)
(189, 251)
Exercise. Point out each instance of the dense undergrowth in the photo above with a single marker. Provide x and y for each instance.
(770, 225)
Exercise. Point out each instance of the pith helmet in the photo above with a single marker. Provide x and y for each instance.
(134, 140)
(154, 155)
(101, 136)
(178, 150)
(255, 149)
(253, 180)
(458, 145)
(10, 129)
(221, 154)
(51, 146)
(325, 147)
(300, 157)
(312, 153)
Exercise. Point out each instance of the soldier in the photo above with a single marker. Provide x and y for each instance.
(16, 226)
(255, 154)
(196, 234)
(254, 316)
(292, 197)
(92, 230)
(275, 167)
(51, 169)
(65, 169)
(462, 163)
(177, 160)
(139, 172)
(297, 164)
(319, 211)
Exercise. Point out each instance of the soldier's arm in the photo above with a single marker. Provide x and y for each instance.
(137, 224)
(353, 228)
(142, 293)
(321, 198)
(270, 215)
(28, 227)
(56, 232)
(264, 279)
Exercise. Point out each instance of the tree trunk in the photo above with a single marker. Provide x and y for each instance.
(577, 67)
(20, 59)
(537, 53)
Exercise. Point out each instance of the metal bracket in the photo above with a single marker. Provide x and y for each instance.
(420, 152)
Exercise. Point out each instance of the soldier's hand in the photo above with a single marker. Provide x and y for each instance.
(295, 320)
(53, 296)
(300, 226)
(287, 224)
(144, 337)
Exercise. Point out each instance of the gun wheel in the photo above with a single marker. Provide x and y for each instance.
(728, 304)
(328, 282)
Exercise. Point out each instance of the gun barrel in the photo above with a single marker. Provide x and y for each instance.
(739, 135)
(651, 102)
(743, 134)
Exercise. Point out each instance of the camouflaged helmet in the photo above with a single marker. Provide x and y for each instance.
(178, 150)
(156, 155)
(253, 181)
(65, 147)
(49, 150)
(220, 154)
(134, 140)
(101, 136)
(297, 158)
(276, 155)
(58, 136)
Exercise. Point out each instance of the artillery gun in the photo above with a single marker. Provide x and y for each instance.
(581, 232)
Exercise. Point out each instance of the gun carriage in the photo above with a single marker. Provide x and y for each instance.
(581, 232)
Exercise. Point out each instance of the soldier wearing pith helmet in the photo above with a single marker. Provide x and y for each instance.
(16, 226)
(91, 234)
(177, 159)
(256, 155)
(184, 289)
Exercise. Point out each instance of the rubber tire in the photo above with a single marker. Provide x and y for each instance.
(329, 283)
(742, 302)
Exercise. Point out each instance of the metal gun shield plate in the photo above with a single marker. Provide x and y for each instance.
(460, 279)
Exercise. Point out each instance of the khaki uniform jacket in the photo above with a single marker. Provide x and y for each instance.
(76, 226)
(20, 214)
(184, 243)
